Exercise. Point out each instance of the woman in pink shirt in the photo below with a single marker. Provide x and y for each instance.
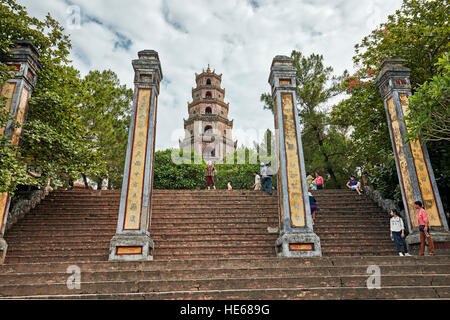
(319, 181)
(424, 228)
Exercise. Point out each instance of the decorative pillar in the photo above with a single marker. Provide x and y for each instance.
(25, 65)
(414, 170)
(132, 241)
(297, 238)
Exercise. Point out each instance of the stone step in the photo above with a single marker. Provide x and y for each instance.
(108, 227)
(178, 247)
(156, 221)
(362, 293)
(160, 243)
(45, 240)
(238, 283)
(113, 213)
(55, 276)
(161, 230)
(71, 259)
(268, 262)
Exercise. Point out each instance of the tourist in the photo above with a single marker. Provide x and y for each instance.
(257, 185)
(313, 206)
(261, 166)
(319, 182)
(354, 184)
(309, 180)
(229, 186)
(365, 178)
(398, 232)
(210, 175)
(424, 229)
(267, 177)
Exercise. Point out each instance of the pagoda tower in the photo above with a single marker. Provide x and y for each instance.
(208, 130)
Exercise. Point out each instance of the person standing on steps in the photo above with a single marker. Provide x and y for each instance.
(229, 186)
(319, 181)
(257, 185)
(267, 173)
(424, 229)
(309, 180)
(313, 206)
(398, 232)
(210, 174)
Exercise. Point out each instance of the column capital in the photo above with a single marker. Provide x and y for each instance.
(147, 69)
(393, 75)
(282, 74)
(24, 61)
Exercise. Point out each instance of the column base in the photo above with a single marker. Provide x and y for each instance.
(296, 244)
(3, 249)
(438, 236)
(124, 247)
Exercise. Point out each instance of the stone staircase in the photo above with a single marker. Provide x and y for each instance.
(212, 245)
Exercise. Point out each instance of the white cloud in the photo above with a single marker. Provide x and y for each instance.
(238, 38)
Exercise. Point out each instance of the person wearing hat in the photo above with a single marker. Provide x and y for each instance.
(261, 166)
(354, 184)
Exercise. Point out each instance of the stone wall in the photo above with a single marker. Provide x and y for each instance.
(23, 202)
(385, 204)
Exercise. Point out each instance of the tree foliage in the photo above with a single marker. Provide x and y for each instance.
(105, 110)
(429, 108)
(57, 143)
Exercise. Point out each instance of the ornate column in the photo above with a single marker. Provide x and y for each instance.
(414, 170)
(25, 65)
(132, 241)
(297, 238)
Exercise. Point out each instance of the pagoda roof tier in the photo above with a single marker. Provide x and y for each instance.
(208, 117)
(208, 73)
(209, 86)
(192, 139)
(210, 101)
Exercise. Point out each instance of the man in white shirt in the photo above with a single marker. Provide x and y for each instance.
(398, 232)
(267, 173)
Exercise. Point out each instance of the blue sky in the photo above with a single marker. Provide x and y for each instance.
(238, 38)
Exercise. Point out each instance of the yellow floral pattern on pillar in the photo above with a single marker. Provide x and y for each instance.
(20, 115)
(428, 197)
(137, 166)
(7, 92)
(404, 171)
(296, 204)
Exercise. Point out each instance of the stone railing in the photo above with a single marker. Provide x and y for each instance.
(385, 204)
(23, 202)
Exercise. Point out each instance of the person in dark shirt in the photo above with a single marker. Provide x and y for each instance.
(313, 206)
(354, 184)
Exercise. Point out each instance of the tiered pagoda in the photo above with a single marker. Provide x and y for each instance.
(208, 130)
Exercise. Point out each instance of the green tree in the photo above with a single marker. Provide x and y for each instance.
(429, 108)
(105, 110)
(418, 32)
(54, 142)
